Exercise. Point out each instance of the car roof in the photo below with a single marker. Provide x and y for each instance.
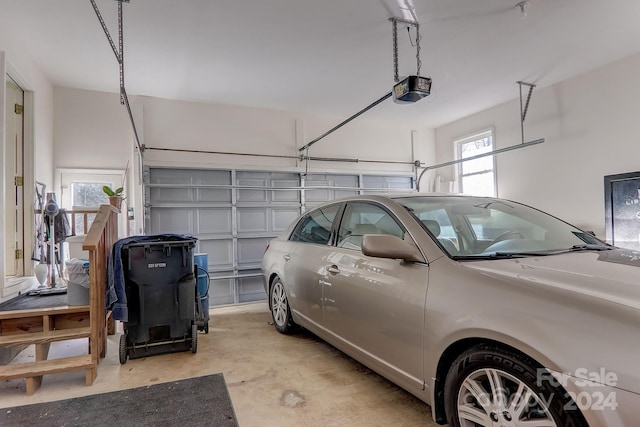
(385, 197)
(398, 195)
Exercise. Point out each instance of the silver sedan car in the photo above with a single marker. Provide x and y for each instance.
(492, 312)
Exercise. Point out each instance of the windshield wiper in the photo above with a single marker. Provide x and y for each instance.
(591, 247)
(518, 254)
(523, 254)
(574, 248)
(500, 255)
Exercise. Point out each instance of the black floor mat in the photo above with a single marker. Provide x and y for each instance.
(32, 302)
(191, 402)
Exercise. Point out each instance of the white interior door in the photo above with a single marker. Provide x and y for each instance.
(15, 253)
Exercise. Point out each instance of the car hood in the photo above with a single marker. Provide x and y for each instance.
(612, 275)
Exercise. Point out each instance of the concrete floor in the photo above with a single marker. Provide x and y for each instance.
(273, 379)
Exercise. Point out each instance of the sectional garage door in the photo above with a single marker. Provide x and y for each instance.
(235, 213)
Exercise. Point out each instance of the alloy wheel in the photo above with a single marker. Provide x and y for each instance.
(279, 304)
(491, 397)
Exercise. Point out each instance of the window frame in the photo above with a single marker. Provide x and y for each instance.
(66, 176)
(469, 138)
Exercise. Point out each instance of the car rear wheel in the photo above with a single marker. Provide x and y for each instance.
(489, 386)
(280, 311)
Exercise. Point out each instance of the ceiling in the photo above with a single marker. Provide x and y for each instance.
(329, 57)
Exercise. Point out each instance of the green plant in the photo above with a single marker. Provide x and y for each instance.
(113, 193)
(118, 192)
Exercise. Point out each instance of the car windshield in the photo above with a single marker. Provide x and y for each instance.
(487, 228)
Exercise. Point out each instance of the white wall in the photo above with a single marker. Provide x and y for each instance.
(93, 131)
(591, 129)
(38, 138)
(176, 124)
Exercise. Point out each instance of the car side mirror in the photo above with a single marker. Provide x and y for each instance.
(387, 246)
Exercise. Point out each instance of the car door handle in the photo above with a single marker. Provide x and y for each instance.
(333, 269)
(286, 257)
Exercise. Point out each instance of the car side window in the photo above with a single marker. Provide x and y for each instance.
(365, 218)
(315, 227)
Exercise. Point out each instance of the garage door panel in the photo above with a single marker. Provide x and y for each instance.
(282, 218)
(268, 181)
(250, 251)
(251, 288)
(213, 195)
(220, 252)
(221, 291)
(252, 195)
(386, 182)
(325, 180)
(209, 176)
(189, 176)
(170, 176)
(265, 220)
(174, 220)
(214, 221)
(285, 196)
(171, 195)
(253, 220)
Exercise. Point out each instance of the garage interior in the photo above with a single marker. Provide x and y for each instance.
(212, 139)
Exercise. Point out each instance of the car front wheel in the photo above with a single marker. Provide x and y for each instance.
(489, 386)
(280, 311)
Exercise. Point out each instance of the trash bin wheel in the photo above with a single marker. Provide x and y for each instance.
(194, 338)
(123, 349)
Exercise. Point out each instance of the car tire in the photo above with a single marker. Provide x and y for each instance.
(280, 311)
(478, 373)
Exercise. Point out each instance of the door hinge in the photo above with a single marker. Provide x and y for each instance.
(18, 108)
(18, 253)
(19, 181)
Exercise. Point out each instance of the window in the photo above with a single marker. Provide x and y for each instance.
(82, 189)
(88, 194)
(365, 218)
(316, 226)
(476, 177)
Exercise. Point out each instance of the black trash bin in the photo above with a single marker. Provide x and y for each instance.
(160, 287)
